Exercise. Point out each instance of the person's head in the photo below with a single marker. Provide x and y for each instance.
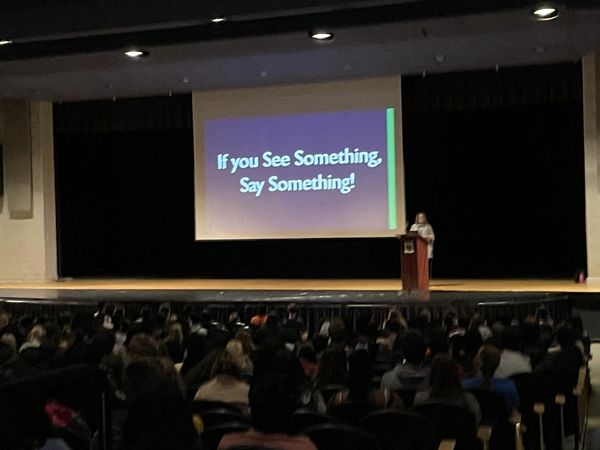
(292, 310)
(337, 331)
(437, 342)
(261, 310)
(7, 353)
(414, 347)
(175, 333)
(487, 361)
(142, 345)
(246, 339)
(36, 334)
(444, 378)
(194, 346)
(158, 415)
(510, 339)
(565, 336)
(236, 349)
(421, 218)
(273, 400)
(360, 375)
(103, 342)
(224, 364)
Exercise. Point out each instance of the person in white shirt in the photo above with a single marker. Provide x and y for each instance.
(424, 229)
(512, 360)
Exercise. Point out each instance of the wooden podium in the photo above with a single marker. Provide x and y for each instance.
(414, 263)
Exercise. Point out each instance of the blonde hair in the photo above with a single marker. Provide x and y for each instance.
(37, 333)
(175, 333)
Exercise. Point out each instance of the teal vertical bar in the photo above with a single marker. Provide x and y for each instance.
(391, 167)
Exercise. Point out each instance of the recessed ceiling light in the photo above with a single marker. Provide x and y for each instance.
(218, 19)
(544, 11)
(321, 35)
(5, 41)
(135, 53)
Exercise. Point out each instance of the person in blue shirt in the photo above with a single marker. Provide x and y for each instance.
(487, 361)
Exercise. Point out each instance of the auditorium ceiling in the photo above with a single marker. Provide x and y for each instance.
(73, 49)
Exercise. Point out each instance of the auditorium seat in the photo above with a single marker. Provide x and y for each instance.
(200, 406)
(495, 413)
(306, 418)
(251, 447)
(330, 390)
(338, 437)
(451, 422)
(351, 413)
(217, 416)
(400, 430)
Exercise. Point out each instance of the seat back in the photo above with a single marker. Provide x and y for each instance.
(451, 422)
(306, 418)
(351, 413)
(400, 430)
(200, 406)
(337, 436)
(495, 413)
(213, 417)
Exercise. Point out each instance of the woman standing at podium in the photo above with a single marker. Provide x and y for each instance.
(425, 230)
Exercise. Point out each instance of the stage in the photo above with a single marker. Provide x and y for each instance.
(300, 290)
(316, 298)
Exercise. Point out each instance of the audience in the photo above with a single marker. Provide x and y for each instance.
(157, 363)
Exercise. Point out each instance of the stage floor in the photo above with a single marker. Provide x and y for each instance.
(314, 292)
(454, 285)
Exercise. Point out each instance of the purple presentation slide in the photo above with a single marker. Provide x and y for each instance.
(300, 175)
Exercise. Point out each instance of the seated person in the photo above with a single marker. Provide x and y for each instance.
(359, 386)
(272, 402)
(486, 362)
(224, 384)
(444, 382)
(412, 373)
(565, 359)
(512, 359)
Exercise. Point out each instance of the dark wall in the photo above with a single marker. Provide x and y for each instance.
(501, 180)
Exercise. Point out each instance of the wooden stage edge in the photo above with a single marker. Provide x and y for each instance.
(442, 285)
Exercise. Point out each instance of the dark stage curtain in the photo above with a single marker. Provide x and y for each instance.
(495, 158)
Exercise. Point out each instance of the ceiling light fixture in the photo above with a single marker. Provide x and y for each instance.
(544, 12)
(218, 19)
(135, 53)
(5, 41)
(320, 35)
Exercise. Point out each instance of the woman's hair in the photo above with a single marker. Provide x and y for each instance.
(444, 378)
(175, 333)
(224, 364)
(246, 339)
(37, 333)
(158, 415)
(235, 348)
(487, 361)
(417, 217)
